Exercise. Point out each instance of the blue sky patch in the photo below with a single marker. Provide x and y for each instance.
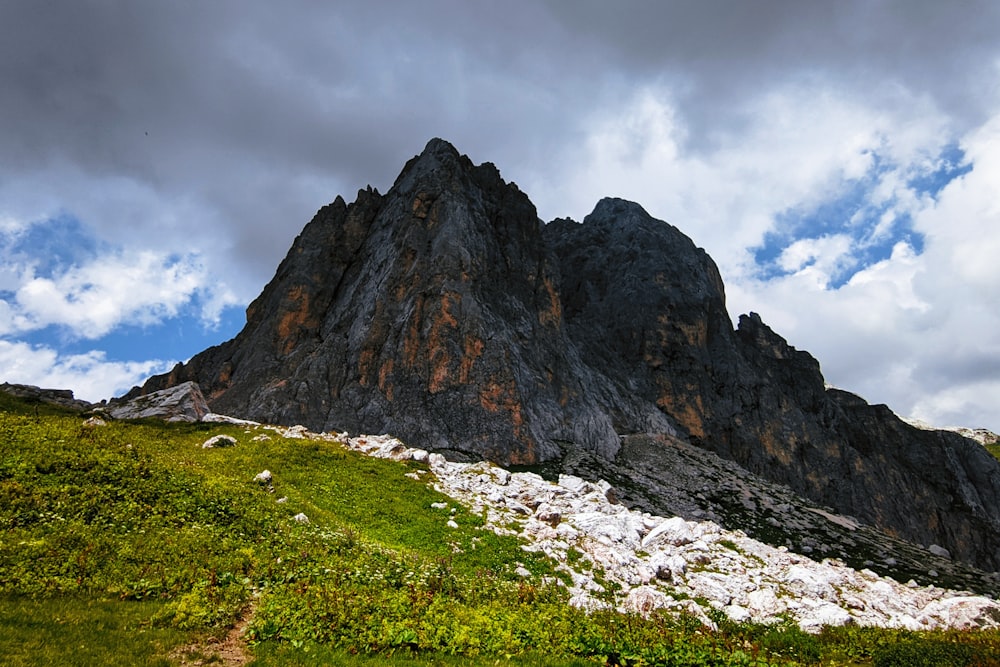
(874, 228)
(50, 248)
(176, 338)
(951, 165)
(53, 245)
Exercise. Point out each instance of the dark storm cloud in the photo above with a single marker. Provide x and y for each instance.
(718, 53)
(220, 103)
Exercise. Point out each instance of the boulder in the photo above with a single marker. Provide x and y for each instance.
(645, 600)
(939, 551)
(962, 612)
(180, 403)
(674, 531)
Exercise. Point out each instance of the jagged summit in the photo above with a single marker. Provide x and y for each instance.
(446, 313)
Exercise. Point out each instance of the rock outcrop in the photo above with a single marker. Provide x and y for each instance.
(60, 397)
(183, 402)
(446, 313)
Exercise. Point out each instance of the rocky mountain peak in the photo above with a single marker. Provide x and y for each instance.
(446, 313)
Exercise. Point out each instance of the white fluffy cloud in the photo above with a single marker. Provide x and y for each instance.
(798, 146)
(92, 376)
(919, 332)
(91, 300)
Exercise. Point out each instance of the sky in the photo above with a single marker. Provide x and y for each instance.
(840, 161)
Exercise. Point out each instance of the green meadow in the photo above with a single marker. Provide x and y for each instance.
(129, 544)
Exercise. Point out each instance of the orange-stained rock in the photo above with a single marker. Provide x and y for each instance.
(447, 314)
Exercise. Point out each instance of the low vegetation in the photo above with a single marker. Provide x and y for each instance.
(128, 543)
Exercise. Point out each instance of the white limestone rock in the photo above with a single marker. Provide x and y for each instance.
(645, 599)
(650, 557)
(963, 613)
(674, 531)
(220, 440)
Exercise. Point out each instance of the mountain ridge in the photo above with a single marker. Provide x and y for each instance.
(446, 313)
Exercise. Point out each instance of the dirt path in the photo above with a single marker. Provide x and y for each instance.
(230, 651)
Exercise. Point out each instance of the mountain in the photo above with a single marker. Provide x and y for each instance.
(446, 313)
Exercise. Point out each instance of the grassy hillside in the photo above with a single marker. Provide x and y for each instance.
(130, 544)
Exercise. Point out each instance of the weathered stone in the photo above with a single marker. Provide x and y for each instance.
(548, 514)
(220, 440)
(674, 531)
(179, 403)
(963, 613)
(939, 551)
(61, 397)
(645, 599)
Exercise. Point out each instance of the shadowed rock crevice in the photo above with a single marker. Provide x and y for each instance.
(445, 312)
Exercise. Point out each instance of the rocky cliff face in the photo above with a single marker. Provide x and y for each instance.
(446, 313)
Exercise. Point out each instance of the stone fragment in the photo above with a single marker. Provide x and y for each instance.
(221, 440)
(962, 613)
(824, 613)
(674, 531)
(547, 513)
(939, 551)
(645, 599)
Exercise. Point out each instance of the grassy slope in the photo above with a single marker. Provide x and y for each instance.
(121, 543)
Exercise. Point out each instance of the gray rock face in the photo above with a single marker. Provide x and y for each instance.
(446, 313)
(179, 403)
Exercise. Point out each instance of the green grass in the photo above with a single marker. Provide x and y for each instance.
(83, 631)
(129, 544)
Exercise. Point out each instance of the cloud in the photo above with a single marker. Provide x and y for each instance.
(817, 258)
(918, 331)
(113, 290)
(91, 375)
(800, 147)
